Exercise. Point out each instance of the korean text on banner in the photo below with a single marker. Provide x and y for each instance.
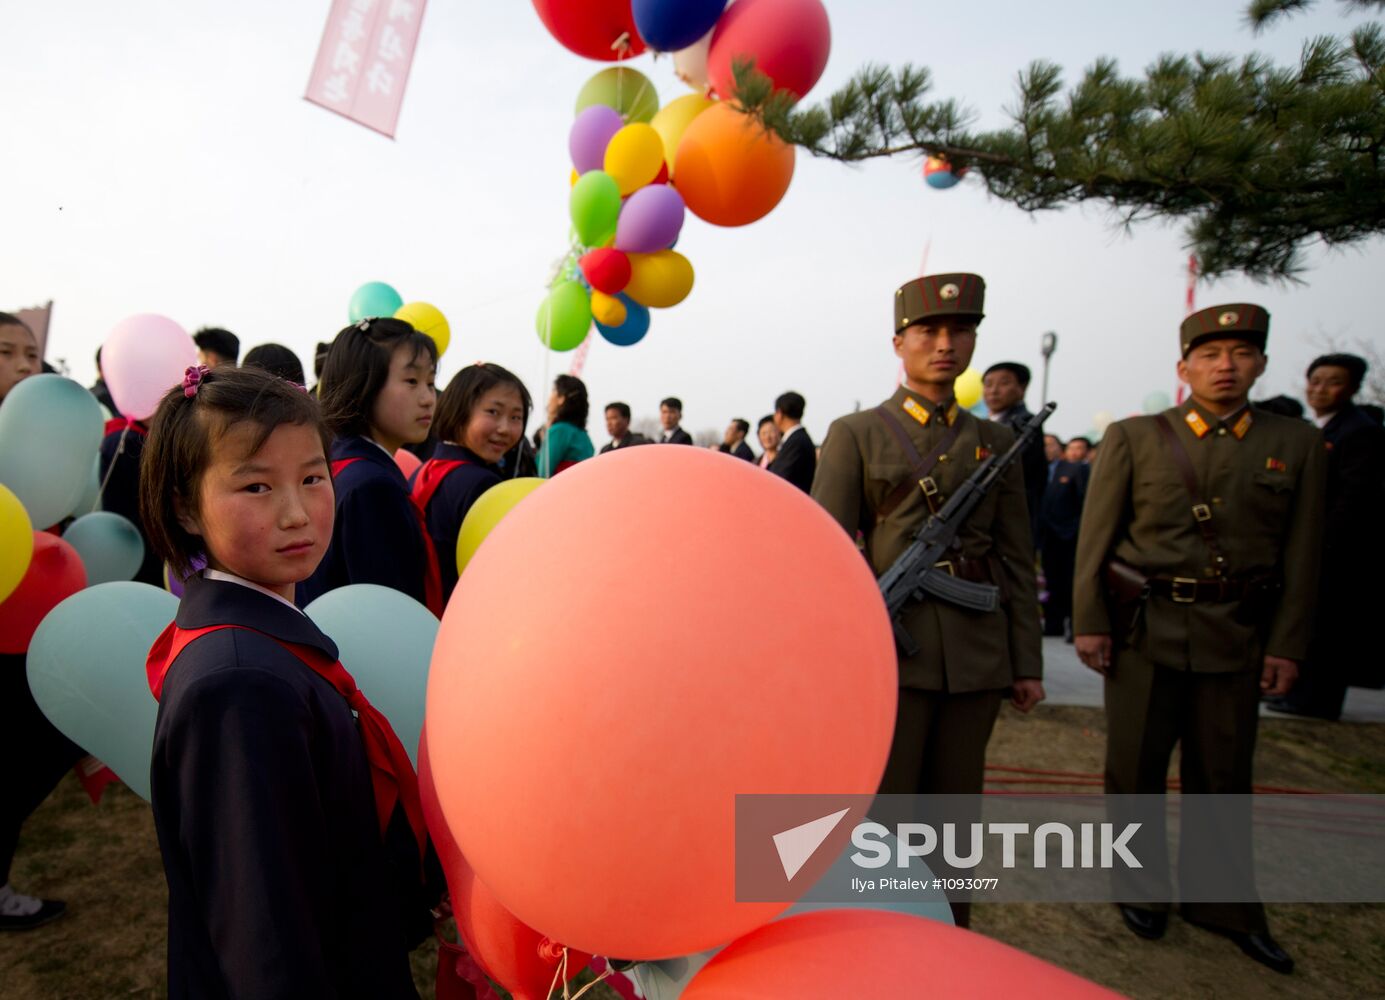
(364, 60)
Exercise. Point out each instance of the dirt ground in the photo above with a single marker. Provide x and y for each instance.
(105, 863)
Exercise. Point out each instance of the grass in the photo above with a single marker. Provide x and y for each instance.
(105, 863)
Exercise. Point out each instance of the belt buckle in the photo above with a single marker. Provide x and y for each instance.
(1184, 590)
(946, 566)
(929, 487)
(1202, 513)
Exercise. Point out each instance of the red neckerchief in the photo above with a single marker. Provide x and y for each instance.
(392, 776)
(117, 424)
(432, 578)
(429, 479)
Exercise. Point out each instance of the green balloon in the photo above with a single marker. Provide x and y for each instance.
(595, 207)
(110, 546)
(565, 316)
(628, 91)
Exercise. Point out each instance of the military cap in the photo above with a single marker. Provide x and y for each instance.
(1240, 320)
(961, 295)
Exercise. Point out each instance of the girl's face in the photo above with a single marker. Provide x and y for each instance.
(403, 411)
(496, 423)
(18, 357)
(769, 436)
(266, 516)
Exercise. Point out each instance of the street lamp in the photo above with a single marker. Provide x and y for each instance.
(1047, 346)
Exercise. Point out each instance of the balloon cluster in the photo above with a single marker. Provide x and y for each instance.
(638, 169)
(375, 299)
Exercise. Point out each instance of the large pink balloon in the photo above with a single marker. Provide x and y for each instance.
(588, 762)
(788, 39)
(872, 953)
(144, 357)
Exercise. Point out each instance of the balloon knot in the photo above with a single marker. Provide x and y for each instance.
(621, 44)
(550, 950)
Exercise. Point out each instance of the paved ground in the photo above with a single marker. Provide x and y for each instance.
(1068, 682)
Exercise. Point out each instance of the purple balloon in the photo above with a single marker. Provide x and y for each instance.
(591, 134)
(651, 219)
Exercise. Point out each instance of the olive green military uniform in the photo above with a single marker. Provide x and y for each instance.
(951, 691)
(1189, 668)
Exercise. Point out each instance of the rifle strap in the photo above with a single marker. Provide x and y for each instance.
(922, 466)
(1202, 513)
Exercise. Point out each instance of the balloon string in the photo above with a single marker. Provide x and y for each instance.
(591, 985)
(559, 972)
(119, 450)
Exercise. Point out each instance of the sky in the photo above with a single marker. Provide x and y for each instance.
(160, 158)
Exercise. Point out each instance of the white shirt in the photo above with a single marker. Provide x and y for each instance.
(216, 574)
(790, 433)
(381, 447)
(1324, 420)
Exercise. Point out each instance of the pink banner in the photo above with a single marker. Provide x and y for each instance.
(363, 63)
(38, 318)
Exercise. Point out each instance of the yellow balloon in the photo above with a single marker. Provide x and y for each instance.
(572, 181)
(427, 319)
(673, 118)
(968, 388)
(607, 309)
(634, 156)
(659, 280)
(16, 542)
(488, 511)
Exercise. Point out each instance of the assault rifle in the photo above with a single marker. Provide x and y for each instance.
(916, 574)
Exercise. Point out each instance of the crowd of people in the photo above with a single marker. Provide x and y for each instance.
(262, 493)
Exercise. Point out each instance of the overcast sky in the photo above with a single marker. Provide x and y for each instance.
(160, 158)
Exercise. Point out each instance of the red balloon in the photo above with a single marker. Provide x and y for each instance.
(591, 27)
(788, 39)
(872, 953)
(55, 574)
(516, 956)
(606, 270)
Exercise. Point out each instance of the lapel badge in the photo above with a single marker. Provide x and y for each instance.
(982, 453)
(1275, 465)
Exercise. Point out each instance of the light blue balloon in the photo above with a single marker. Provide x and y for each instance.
(1157, 402)
(50, 433)
(374, 298)
(634, 328)
(91, 495)
(980, 410)
(666, 980)
(385, 640)
(86, 670)
(110, 546)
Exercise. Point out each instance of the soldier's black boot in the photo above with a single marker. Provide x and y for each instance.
(1148, 924)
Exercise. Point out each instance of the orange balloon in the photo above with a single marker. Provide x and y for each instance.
(407, 461)
(729, 170)
(873, 953)
(589, 768)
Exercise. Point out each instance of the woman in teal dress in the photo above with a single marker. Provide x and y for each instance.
(565, 441)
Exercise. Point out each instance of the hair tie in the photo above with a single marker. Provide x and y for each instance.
(363, 326)
(193, 379)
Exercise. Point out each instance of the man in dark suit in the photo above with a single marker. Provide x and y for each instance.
(797, 460)
(1060, 511)
(670, 417)
(618, 426)
(734, 442)
(1003, 386)
(1353, 540)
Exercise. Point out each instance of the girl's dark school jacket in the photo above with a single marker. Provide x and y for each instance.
(279, 883)
(449, 505)
(377, 537)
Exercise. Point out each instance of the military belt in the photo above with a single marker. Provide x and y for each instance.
(972, 570)
(1187, 590)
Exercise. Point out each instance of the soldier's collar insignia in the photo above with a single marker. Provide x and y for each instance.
(1196, 424)
(949, 292)
(1228, 318)
(918, 411)
(1242, 425)
(1276, 465)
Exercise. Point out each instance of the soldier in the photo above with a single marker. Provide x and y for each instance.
(1197, 567)
(882, 472)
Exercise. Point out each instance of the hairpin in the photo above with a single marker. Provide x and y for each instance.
(363, 326)
(193, 379)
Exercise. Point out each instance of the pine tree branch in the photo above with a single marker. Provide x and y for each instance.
(1258, 161)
